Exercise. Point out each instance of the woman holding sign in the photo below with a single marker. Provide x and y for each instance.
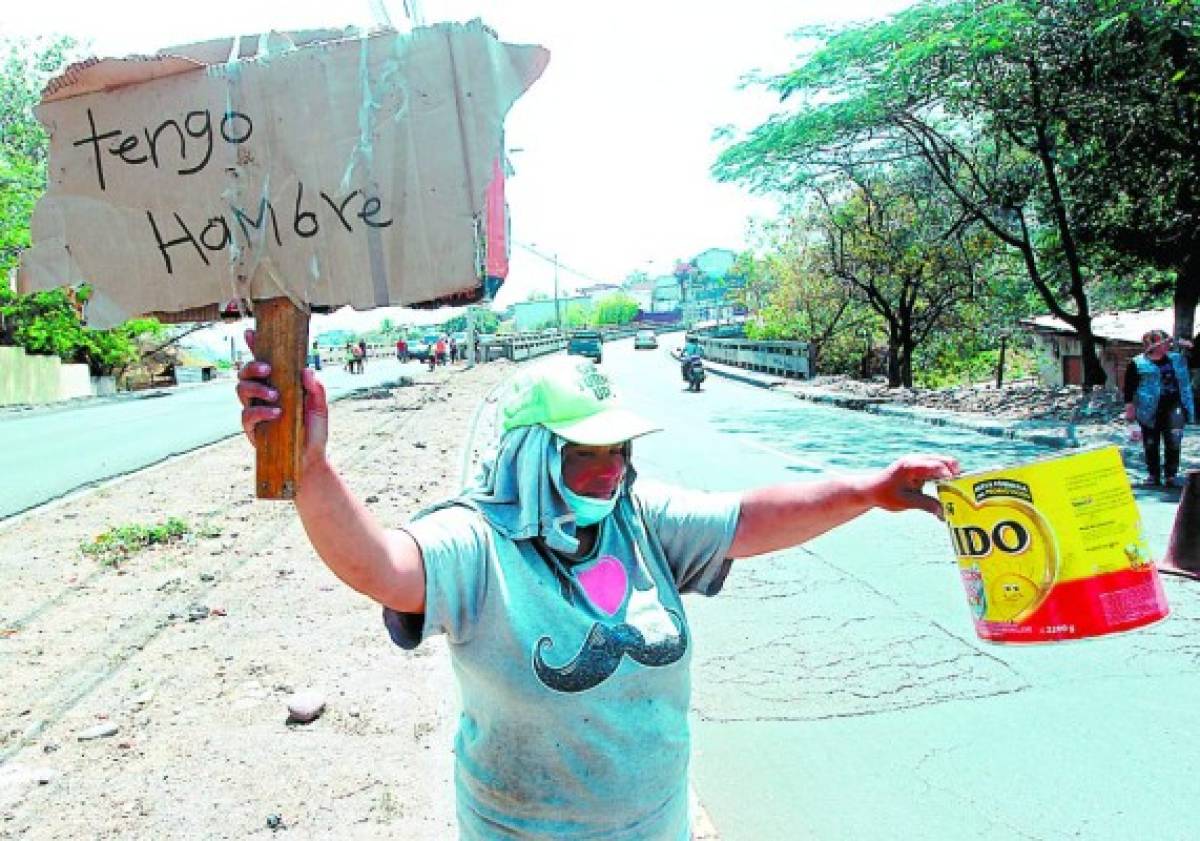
(557, 581)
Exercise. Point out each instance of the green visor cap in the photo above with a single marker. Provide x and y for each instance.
(572, 398)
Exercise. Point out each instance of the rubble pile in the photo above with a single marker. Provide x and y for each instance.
(1019, 401)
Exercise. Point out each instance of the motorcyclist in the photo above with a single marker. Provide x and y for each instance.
(691, 352)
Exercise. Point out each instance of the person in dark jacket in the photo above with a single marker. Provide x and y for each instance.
(1158, 397)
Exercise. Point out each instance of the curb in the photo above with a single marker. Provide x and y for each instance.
(1060, 436)
(26, 410)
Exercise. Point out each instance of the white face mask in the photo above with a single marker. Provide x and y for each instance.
(588, 510)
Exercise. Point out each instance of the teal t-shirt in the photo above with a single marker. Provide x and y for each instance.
(575, 678)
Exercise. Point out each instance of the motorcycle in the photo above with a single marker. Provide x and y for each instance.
(693, 372)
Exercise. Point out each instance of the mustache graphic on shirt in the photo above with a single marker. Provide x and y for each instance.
(602, 652)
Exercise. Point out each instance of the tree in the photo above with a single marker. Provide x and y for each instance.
(25, 67)
(616, 309)
(906, 251)
(21, 182)
(578, 315)
(1131, 82)
(975, 90)
(49, 323)
(759, 278)
(792, 294)
(457, 324)
(486, 321)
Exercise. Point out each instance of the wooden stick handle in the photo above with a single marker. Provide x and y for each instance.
(281, 339)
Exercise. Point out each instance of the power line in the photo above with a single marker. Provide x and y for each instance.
(561, 265)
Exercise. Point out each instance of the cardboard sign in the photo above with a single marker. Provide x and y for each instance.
(330, 170)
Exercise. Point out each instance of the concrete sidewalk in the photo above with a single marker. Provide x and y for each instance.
(1046, 433)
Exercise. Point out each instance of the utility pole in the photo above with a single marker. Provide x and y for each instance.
(557, 307)
(472, 337)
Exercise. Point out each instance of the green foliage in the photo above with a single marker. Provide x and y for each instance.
(578, 315)
(209, 530)
(48, 323)
(486, 321)
(120, 543)
(106, 351)
(43, 322)
(1130, 109)
(616, 309)
(21, 182)
(954, 361)
(457, 324)
(1068, 130)
(25, 67)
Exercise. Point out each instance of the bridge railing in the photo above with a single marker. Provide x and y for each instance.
(784, 359)
(520, 347)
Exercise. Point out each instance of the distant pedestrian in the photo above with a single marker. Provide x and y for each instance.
(349, 360)
(362, 355)
(314, 358)
(440, 349)
(453, 349)
(401, 349)
(1158, 398)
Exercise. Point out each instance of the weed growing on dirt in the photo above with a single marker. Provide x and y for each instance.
(116, 545)
(209, 529)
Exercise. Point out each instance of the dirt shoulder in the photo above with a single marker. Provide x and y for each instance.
(190, 650)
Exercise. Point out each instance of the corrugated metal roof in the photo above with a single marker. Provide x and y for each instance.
(1128, 326)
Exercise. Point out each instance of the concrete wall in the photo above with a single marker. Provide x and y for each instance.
(74, 381)
(530, 314)
(26, 379)
(1049, 360)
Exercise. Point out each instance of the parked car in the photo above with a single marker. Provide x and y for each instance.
(586, 343)
(645, 340)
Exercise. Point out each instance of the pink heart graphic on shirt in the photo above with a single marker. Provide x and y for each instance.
(606, 584)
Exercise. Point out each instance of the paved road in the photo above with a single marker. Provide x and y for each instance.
(51, 451)
(840, 691)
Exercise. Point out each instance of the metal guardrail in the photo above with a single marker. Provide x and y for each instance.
(518, 347)
(784, 359)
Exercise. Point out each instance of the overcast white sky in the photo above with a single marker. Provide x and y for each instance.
(616, 145)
